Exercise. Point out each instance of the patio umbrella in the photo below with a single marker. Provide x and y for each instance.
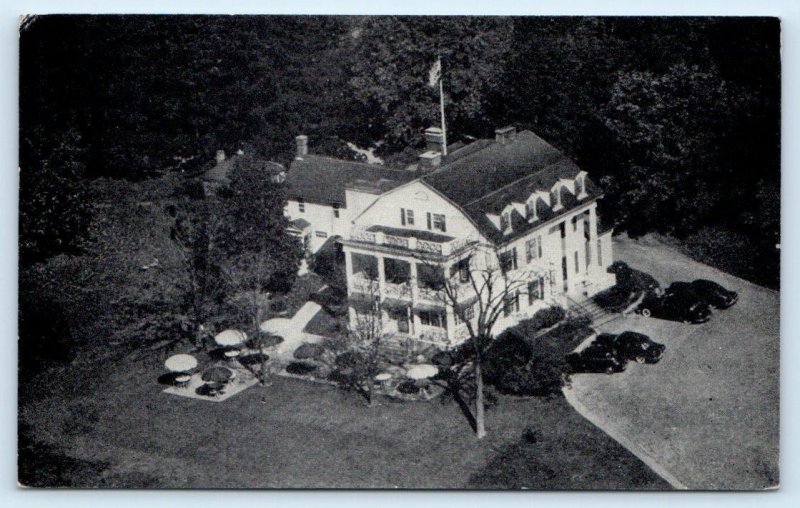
(217, 374)
(230, 338)
(423, 371)
(181, 363)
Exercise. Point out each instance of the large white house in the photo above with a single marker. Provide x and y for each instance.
(513, 204)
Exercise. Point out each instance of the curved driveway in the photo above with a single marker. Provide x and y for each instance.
(706, 416)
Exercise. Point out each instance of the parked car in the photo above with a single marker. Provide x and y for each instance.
(676, 305)
(707, 291)
(596, 357)
(637, 347)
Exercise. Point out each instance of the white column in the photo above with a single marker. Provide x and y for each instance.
(593, 236)
(348, 263)
(416, 325)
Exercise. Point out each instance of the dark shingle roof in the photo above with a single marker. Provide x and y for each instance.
(486, 176)
(323, 180)
(485, 166)
(219, 173)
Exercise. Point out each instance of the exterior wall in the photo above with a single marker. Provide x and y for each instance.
(322, 219)
(420, 198)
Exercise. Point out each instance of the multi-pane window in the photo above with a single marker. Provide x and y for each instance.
(406, 217)
(536, 289)
(599, 253)
(577, 268)
(530, 209)
(505, 221)
(321, 234)
(533, 249)
(336, 211)
(438, 222)
(511, 303)
(574, 223)
(508, 260)
(301, 206)
(432, 318)
(466, 314)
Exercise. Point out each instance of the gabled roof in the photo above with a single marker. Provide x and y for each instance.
(486, 176)
(221, 170)
(323, 180)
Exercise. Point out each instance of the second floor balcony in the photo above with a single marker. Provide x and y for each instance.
(412, 240)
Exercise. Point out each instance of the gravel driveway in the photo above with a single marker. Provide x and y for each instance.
(706, 416)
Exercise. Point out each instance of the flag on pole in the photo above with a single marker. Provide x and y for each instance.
(435, 74)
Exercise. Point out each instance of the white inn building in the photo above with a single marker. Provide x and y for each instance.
(513, 205)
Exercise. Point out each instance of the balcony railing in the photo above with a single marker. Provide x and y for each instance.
(412, 243)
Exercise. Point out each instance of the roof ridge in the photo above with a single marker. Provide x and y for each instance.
(359, 163)
(515, 182)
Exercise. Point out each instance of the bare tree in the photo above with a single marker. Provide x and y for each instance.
(479, 294)
(365, 338)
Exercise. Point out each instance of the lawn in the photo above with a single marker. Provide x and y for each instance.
(124, 432)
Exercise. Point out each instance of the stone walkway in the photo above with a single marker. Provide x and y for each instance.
(292, 330)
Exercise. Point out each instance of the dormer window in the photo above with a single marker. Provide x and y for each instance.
(555, 197)
(505, 221)
(530, 210)
(580, 186)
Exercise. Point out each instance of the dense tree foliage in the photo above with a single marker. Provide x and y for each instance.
(677, 117)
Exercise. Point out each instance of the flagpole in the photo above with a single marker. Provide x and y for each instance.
(441, 107)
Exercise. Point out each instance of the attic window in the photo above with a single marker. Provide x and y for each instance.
(505, 221)
(580, 186)
(555, 197)
(530, 210)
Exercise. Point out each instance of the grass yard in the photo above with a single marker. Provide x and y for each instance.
(123, 432)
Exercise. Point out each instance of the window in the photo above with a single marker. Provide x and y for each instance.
(588, 255)
(576, 262)
(301, 206)
(530, 210)
(574, 223)
(599, 253)
(321, 234)
(336, 211)
(468, 312)
(406, 217)
(580, 186)
(533, 249)
(439, 223)
(505, 222)
(511, 303)
(536, 289)
(508, 260)
(461, 269)
(432, 318)
(555, 198)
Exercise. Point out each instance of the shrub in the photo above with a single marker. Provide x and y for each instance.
(308, 351)
(515, 366)
(300, 368)
(544, 318)
(530, 435)
(279, 306)
(408, 387)
(350, 360)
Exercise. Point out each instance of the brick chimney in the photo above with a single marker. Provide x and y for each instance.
(434, 139)
(302, 146)
(429, 160)
(506, 135)
(220, 156)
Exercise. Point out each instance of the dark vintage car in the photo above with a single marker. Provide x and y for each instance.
(677, 305)
(597, 357)
(632, 346)
(707, 291)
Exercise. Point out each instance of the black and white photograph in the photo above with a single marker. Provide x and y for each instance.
(399, 252)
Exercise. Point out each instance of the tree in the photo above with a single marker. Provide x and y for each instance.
(391, 62)
(256, 253)
(363, 349)
(479, 293)
(54, 198)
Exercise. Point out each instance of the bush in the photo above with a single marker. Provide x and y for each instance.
(350, 360)
(300, 368)
(408, 387)
(544, 318)
(515, 366)
(279, 306)
(308, 351)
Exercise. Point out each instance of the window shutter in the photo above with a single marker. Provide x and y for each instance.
(429, 220)
(403, 216)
